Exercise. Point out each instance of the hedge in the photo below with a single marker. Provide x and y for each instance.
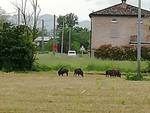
(121, 53)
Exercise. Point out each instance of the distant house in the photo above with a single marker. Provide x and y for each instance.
(39, 39)
(117, 25)
(45, 39)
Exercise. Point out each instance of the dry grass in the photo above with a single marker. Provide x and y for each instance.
(48, 93)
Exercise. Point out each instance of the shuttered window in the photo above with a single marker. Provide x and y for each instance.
(114, 28)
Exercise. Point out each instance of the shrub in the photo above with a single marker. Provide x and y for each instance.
(40, 67)
(147, 69)
(17, 51)
(133, 77)
(117, 53)
(121, 53)
(129, 52)
(103, 52)
(145, 53)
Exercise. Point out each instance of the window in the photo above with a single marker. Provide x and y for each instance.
(114, 20)
(114, 28)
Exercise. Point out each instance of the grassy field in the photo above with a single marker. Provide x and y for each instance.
(87, 64)
(47, 93)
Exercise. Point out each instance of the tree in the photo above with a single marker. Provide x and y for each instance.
(60, 20)
(43, 32)
(30, 19)
(36, 12)
(2, 17)
(17, 51)
(70, 20)
(80, 37)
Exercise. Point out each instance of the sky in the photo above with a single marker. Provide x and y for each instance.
(81, 8)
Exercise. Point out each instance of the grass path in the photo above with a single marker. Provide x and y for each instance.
(48, 93)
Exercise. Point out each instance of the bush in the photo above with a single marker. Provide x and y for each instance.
(17, 51)
(145, 53)
(103, 52)
(147, 69)
(129, 53)
(133, 77)
(121, 53)
(40, 67)
(117, 53)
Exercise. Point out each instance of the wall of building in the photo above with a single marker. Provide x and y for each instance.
(116, 30)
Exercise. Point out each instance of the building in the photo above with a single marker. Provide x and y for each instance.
(46, 39)
(39, 40)
(117, 25)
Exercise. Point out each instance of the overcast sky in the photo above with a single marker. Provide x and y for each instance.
(81, 8)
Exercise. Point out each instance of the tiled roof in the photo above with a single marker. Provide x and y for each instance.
(121, 9)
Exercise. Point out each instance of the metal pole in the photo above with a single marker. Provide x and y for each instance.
(139, 42)
(54, 34)
(69, 38)
(18, 16)
(91, 40)
(42, 36)
(62, 37)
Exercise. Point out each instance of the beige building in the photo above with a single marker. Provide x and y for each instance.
(117, 25)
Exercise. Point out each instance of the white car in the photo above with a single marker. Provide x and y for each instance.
(72, 53)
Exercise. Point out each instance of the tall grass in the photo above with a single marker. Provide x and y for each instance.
(88, 64)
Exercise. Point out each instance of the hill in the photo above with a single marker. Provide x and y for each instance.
(49, 21)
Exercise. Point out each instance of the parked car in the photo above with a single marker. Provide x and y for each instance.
(72, 53)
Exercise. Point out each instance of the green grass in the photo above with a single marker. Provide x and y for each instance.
(86, 63)
(47, 93)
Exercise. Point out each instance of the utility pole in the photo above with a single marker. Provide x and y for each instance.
(91, 39)
(139, 42)
(69, 38)
(62, 37)
(42, 36)
(18, 16)
(54, 34)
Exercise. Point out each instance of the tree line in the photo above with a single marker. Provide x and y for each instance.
(17, 47)
(73, 36)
